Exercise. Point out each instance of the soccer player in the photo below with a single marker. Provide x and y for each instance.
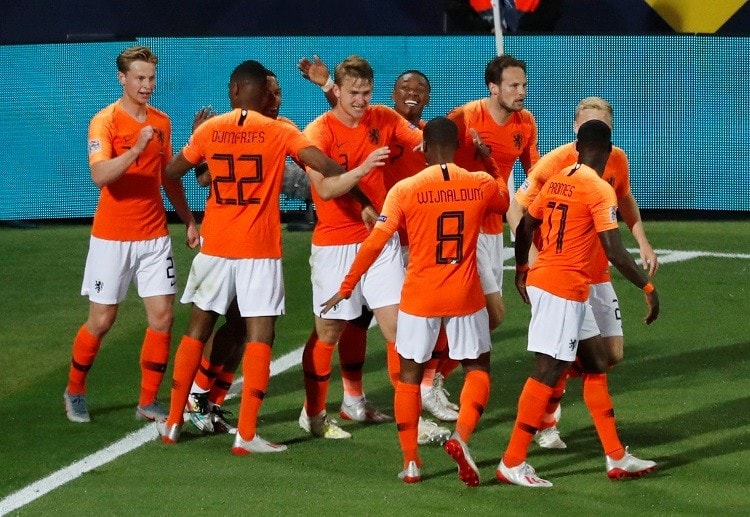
(509, 132)
(441, 208)
(411, 94)
(576, 209)
(129, 145)
(602, 297)
(241, 249)
(347, 132)
(224, 349)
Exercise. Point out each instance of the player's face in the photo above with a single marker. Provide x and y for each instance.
(138, 82)
(411, 95)
(274, 98)
(354, 96)
(591, 114)
(511, 92)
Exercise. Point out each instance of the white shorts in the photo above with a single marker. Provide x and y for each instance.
(112, 265)
(557, 325)
(468, 336)
(258, 285)
(605, 309)
(379, 287)
(490, 262)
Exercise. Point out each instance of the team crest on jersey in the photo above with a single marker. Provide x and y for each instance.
(613, 213)
(374, 135)
(160, 135)
(94, 146)
(382, 218)
(518, 140)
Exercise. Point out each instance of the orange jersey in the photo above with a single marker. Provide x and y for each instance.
(403, 162)
(442, 209)
(340, 219)
(517, 139)
(130, 208)
(616, 173)
(245, 152)
(574, 206)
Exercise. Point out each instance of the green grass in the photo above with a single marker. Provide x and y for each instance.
(681, 397)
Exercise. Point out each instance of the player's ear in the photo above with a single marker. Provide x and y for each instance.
(494, 88)
(121, 78)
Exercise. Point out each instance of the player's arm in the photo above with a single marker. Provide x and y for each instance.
(621, 259)
(630, 213)
(524, 238)
(317, 73)
(176, 195)
(367, 254)
(108, 171)
(178, 166)
(335, 185)
(530, 154)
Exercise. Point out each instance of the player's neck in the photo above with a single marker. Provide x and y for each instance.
(135, 109)
(499, 114)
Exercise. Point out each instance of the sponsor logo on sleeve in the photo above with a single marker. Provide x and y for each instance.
(382, 218)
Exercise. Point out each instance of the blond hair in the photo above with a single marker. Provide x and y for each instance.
(594, 103)
(131, 54)
(356, 67)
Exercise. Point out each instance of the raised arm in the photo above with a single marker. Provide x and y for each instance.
(108, 171)
(317, 73)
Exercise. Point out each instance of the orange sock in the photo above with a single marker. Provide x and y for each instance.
(256, 368)
(154, 357)
(446, 365)
(186, 363)
(220, 388)
(352, 350)
(474, 396)
(549, 420)
(316, 368)
(206, 376)
(597, 399)
(428, 376)
(85, 348)
(531, 404)
(393, 362)
(407, 406)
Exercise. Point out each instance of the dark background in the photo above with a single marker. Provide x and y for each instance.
(35, 21)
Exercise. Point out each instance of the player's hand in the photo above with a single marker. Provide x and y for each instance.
(314, 71)
(332, 302)
(652, 301)
(144, 137)
(377, 158)
(202, 115)
(483, 150)
(521, 285)
(649, 259)
(369, 217)
(193, 236)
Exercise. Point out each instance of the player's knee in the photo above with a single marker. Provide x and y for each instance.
(161, 321)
